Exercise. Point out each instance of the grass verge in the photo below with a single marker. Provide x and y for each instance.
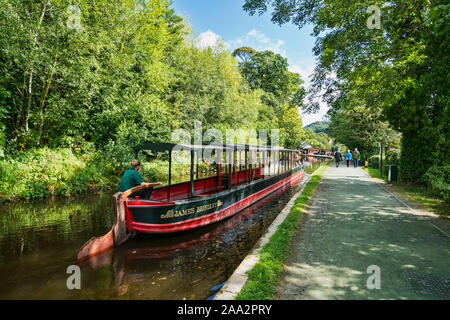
(265, 275)
(417, 194)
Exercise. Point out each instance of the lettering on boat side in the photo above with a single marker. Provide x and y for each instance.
(189, 211)
(73, 281)
(232, 309)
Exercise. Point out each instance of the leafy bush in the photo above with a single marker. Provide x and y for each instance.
(158, 170)
(374, 162)
(391, 157)
(43, 172)
(437, 179)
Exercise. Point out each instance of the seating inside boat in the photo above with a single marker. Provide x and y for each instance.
(223, 179)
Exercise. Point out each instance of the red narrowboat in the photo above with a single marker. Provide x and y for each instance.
(243, 175)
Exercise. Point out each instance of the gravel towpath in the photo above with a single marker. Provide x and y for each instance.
(360, 241)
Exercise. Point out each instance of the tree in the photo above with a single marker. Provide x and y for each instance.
(357, 128)
(64, 83)
(243, 54)
(291, 128)
(209, 88)
(317, 140)
(400, 66)
(269, 71)
(319, 126)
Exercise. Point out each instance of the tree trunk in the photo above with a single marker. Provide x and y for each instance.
(41, 106)
(30, 80)
(30, 93)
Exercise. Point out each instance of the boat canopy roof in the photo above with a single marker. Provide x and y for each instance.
(165, 146)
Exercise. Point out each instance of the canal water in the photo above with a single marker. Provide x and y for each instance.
(39, 240)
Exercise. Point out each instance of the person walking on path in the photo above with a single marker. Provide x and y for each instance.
(356, 157)
(348, 157)
(338, 157)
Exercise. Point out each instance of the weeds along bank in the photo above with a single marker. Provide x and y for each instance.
(44, 172)
(435, 182)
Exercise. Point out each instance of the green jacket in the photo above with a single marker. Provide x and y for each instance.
(130, 179)
(356, 155)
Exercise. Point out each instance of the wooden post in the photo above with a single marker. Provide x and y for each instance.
(381, 159)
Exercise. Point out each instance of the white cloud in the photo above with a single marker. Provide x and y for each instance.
(306, 69)
(260, 42)
(308, 118)
(258, 35)
(209, 39)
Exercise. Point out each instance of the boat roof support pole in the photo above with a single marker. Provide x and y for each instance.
(250, 166)
(264, 164)
(230, 170)
(170, 175)
(279, 166)
(236, 176)
(246, 164)
(289, 160)
(269, 156)
(219, 169)
(196, 170)
(191, 191)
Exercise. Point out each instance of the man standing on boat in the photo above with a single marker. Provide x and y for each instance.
(131, 178)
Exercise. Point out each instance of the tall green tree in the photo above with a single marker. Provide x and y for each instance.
(400, 65)
(208, 87)
(282, 95)
(79, 73)
(269, 72)
(243, 54)
(357, 128)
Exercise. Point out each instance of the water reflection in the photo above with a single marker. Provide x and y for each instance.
(39, 240)
(191, 265)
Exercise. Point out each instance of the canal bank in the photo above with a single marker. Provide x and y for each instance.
(360, 241)
(256, 275)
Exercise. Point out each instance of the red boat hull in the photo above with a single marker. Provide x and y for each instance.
(137, 211)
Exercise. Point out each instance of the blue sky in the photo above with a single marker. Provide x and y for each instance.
(212, 20)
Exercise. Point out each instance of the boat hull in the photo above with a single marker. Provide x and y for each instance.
(182, 215)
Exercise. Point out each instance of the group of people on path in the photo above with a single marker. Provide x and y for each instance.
(349, 156)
